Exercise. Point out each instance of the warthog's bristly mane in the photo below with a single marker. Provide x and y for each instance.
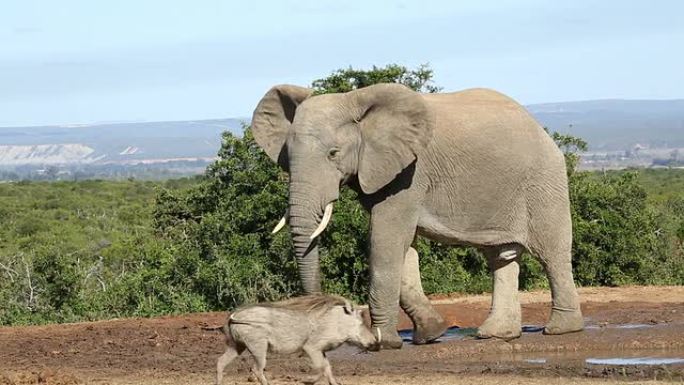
(308, 303)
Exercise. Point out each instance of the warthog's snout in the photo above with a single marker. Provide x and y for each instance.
(359, 334)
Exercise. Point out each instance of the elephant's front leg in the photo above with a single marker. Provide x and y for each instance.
(428, 325)
(392, 231)
(504, 320)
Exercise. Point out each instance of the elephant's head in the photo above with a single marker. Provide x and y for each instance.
(371, 133)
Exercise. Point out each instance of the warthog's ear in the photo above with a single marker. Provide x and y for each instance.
(348, 308)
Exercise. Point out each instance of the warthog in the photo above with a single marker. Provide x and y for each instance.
(313, 324)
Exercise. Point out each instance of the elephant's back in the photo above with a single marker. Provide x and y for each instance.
(480, 109)
(488, 123)
(472, 98)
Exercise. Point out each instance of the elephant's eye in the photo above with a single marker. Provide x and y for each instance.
(333, 153)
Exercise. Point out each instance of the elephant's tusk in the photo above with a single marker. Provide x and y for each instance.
(327, 214)
(282, 222)
(508, 255)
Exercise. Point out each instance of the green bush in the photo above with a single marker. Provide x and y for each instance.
(617, 237)
(224, 222)
(84, 250)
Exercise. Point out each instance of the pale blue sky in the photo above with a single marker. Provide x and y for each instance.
(85, 61)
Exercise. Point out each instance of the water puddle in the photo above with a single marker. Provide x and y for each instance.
(452, 333)
(621, 326)
(623, 358)
(532, 329)
(635, 361)
(535, 360)
(455, 333)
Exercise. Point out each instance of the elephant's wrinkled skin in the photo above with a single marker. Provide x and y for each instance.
(469, 167)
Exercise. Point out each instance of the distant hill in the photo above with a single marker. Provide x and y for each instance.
(607, 125)
(617, 124)
(113, 143)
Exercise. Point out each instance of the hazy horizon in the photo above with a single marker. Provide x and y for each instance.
(81, 62)
(247, 118)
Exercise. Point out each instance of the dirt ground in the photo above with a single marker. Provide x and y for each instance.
(629, 322)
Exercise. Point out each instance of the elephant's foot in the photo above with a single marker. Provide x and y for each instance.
(501, 324)
(564, 321)
(427, 329)
(387, 338)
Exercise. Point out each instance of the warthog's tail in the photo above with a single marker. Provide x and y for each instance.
(232, 321)
(226, 331)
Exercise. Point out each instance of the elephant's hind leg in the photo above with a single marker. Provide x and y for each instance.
(550, 239)
(566, 315)
(428, 325)
(504, 320)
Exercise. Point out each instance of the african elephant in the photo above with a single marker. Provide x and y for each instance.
(468, 168)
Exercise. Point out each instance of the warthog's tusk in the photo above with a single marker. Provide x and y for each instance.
(282, 222)
(327, 214)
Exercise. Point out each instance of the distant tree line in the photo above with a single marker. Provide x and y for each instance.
(112, 171)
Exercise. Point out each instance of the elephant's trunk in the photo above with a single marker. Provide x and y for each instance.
(303, 222)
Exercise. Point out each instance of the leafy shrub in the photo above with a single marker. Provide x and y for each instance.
(617, 240)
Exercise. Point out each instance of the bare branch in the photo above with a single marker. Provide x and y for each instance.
(32, 295)
(10, 272)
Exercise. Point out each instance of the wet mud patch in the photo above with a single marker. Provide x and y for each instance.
(173, 350)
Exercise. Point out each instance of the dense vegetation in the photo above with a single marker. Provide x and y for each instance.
(79, 250)
(95, 249)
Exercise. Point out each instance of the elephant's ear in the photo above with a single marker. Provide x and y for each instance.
(396, 126)
(272, 119)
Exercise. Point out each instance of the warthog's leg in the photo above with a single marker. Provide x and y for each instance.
(226, 358)
(328, 372)
(259, 351)
(320, 365)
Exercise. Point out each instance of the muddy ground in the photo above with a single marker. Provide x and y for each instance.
(627, 323)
